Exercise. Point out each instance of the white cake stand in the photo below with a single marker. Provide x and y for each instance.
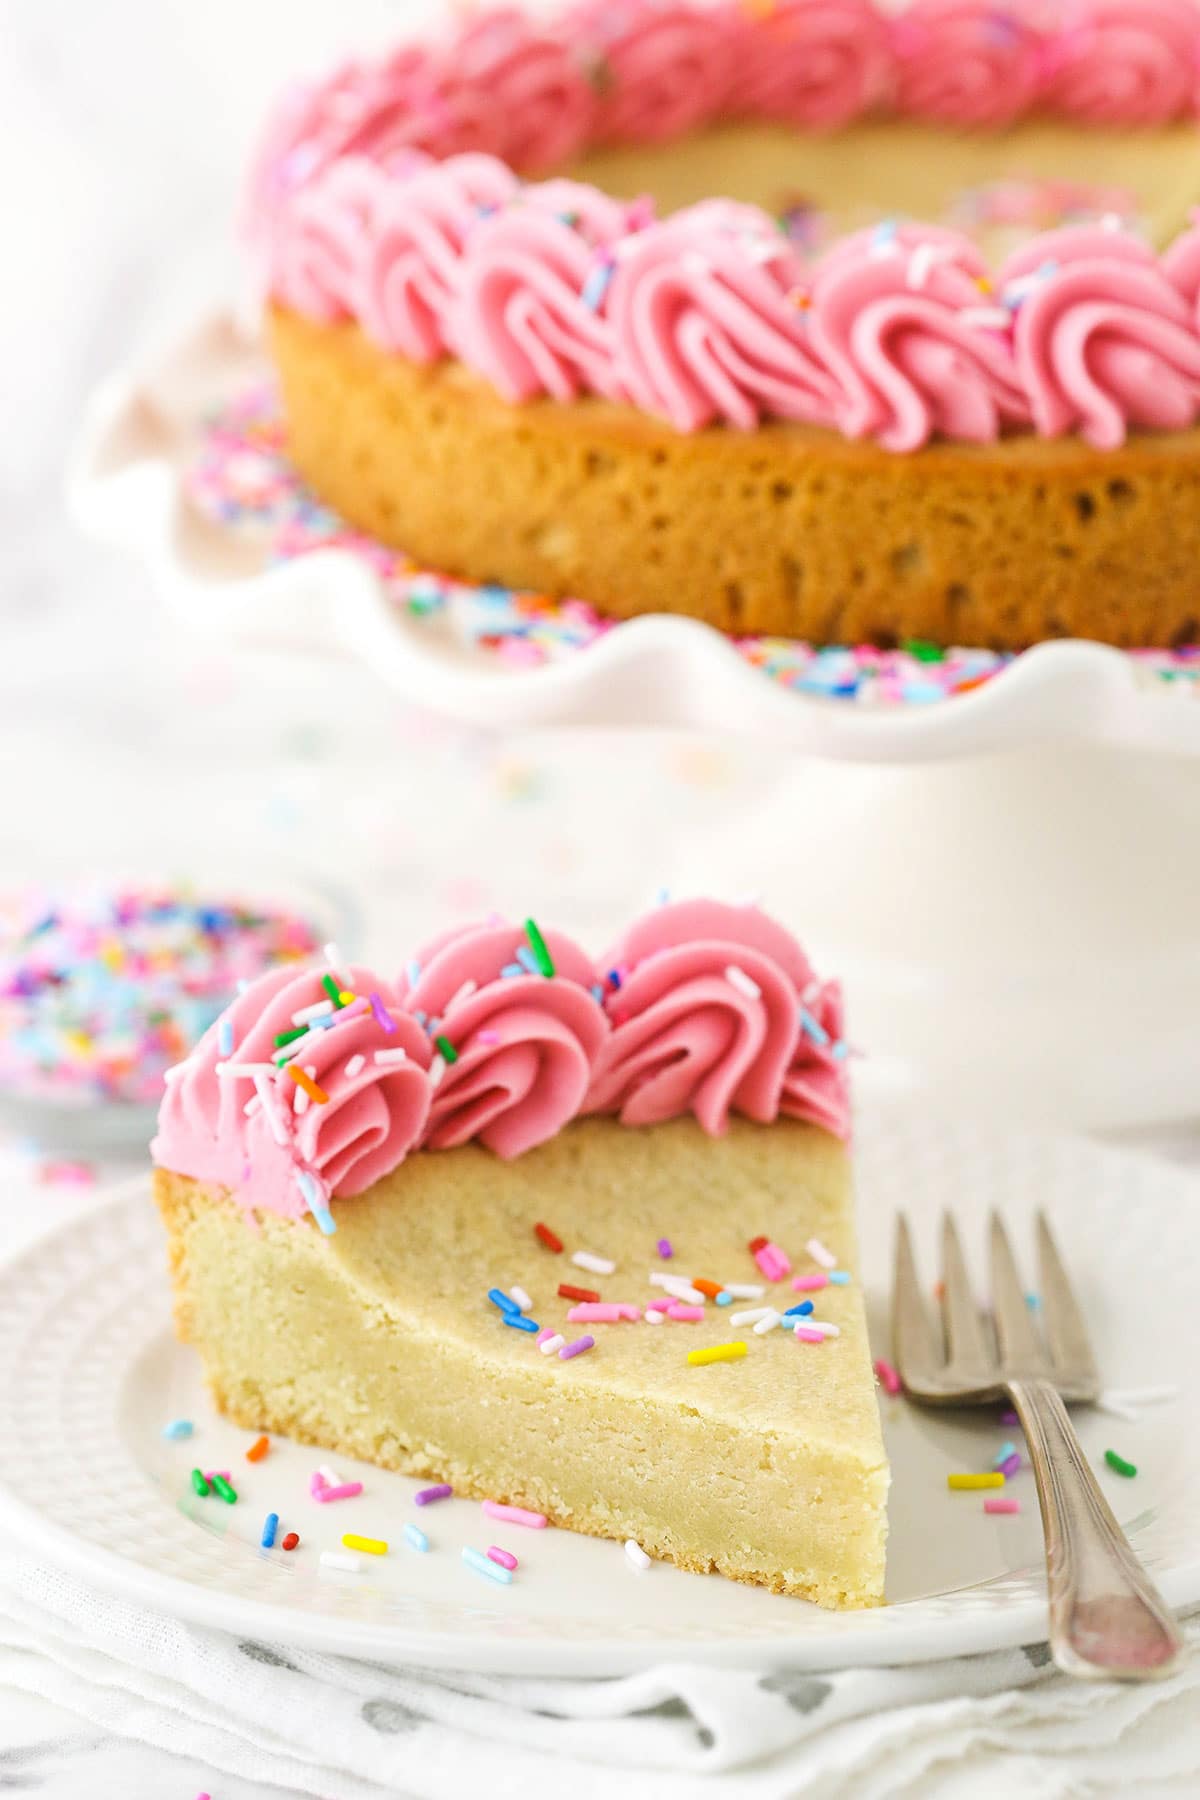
(1008, 880)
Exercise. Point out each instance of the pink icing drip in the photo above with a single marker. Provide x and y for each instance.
(688, 1036)
(968, 62)
(816, 64)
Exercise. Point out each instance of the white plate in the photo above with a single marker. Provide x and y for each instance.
(88, 1481)
(145, 426)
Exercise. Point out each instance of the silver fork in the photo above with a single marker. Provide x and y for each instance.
(1107, 1620)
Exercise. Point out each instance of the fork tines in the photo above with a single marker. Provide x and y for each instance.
(975, 1354)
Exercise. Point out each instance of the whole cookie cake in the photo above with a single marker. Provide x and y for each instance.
(571, 1235)
(747, 311)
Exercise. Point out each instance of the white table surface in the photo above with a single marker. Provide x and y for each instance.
(124, 127)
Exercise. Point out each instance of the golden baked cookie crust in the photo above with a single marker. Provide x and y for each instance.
(789, 531)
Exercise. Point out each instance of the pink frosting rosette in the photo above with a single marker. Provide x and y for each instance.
(409, 279)
(1104, 340)
(1124, 62)
(916, 348)
(382, 111)
(710, 1017)
(516, 88)
(657, 69)
(524, 317)
(704, 324)
(264, 1138)
(967, 62)
(1181, 266)
(315, 264)
(815, 64)
(524, 1043)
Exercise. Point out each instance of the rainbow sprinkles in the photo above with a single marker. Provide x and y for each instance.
(313, 1085)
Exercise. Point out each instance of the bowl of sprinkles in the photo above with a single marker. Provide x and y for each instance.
(104, 986)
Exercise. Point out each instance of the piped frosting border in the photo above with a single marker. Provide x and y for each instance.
(387, 194)
(314, 1085)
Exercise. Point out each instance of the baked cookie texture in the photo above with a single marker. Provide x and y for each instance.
(379, 1343)
(790, 530)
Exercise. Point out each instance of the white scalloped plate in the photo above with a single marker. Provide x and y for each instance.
(143, 427)
(90, 1483)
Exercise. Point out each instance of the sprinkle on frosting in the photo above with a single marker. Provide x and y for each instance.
(389, 194)
(527, 1055)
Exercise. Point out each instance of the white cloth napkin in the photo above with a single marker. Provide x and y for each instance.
(327, 1726)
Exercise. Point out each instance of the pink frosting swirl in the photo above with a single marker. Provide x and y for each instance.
(383, 111)
(331, 227)
(524, 1043)
(1181, 265)
(373, 1115)
(968, 62)
(710, 1018)
(532, 289)
(816, 64)
(524, 319)
(899, 320)
(1125, 62)
(517, 89)
(704, 326)
(1104, 341)
(409, 277)
(658, 68)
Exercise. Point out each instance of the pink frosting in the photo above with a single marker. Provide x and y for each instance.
(712, 1016)
(701, 1008)
(526, 316)
(525, 1043)
(384, 111)
(1104, 341)
(967, 62)
(332, 226)
(373, 1116)
(816, 64)
(408, 275)
(517, 88)
(916, 349)
(1181, 265)
(704, 327)
(706, 318)
(659, 67)
(1125, 62)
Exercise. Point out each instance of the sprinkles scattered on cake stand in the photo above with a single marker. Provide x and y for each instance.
(102, 990)
(242, 480)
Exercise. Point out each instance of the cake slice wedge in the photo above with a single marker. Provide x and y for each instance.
(361, 1321)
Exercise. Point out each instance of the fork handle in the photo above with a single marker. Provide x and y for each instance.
(1107, 1619)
